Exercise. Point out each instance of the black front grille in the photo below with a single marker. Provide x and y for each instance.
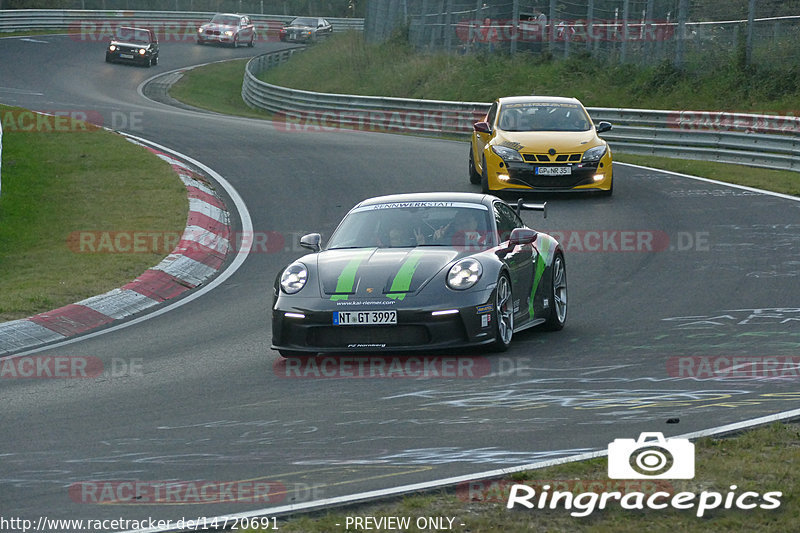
(547, 158)
(336, 336)
(554, 182)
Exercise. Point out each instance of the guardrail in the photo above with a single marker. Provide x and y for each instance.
(768, 141)
(94, 22)
(297, 109)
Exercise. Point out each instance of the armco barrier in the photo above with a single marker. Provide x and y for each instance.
(768, 141)
(92, 21)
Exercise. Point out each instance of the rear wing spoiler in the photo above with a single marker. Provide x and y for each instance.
(531, 207)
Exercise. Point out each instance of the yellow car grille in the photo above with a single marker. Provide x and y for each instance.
(556, 158)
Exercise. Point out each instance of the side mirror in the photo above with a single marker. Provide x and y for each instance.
(311, 241)
(482, 127)
(603, 126)
(518, 236)
(522, 236)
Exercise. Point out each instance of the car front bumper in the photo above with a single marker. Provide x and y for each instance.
(469, 323)
(211, 38)
(128, 56)
(586, 177)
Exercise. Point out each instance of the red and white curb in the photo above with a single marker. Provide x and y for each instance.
(198, 256)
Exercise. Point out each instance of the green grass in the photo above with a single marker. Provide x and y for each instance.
(55, 183)
(216, 87)
(761, 460)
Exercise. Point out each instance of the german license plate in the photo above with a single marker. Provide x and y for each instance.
(553, 171)
(363, 318)
(126, 56)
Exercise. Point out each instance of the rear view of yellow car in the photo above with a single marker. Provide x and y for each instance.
(540, 143)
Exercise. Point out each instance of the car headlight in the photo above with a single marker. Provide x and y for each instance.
(508, 154)
(294, 278)
(142, 51)
(594, 154)
(464, 274)
(112, 48)
(229, 33)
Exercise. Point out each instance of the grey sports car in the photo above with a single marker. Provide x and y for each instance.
(420, 271)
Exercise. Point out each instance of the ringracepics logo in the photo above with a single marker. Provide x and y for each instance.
(656, 459)
(650, 457)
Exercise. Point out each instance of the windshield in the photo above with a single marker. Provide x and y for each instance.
(132, 35)
(304, 21)
(543, 117)
(225, 20)
(399, 226)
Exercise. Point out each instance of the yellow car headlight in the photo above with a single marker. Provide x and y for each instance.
(508, 154)
(592, 155)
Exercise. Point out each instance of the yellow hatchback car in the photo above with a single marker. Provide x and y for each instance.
(540, 143)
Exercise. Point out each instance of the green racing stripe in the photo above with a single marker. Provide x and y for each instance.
(402, 280)
(346, 280)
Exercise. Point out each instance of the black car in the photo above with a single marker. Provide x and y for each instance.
(305, 30)
(135, 45)
(420, 271)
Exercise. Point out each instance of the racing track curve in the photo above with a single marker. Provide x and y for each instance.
(209, 405)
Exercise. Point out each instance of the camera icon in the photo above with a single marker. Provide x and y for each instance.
(651, 457)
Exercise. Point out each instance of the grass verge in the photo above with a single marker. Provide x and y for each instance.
(76, 179)
(216, 87)
(720, 463)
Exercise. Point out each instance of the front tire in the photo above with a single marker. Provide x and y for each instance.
(558, 295)
(503, 314)
(474, 177)
(485, 179)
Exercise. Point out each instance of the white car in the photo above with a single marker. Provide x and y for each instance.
(227, 28)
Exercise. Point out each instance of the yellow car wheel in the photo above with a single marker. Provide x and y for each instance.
(474, 177)
(485, 179)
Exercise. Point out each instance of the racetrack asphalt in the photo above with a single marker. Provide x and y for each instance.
(667, 268)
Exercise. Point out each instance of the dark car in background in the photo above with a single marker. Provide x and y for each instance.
(133, 45)
(227, 28)
(305, 30)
